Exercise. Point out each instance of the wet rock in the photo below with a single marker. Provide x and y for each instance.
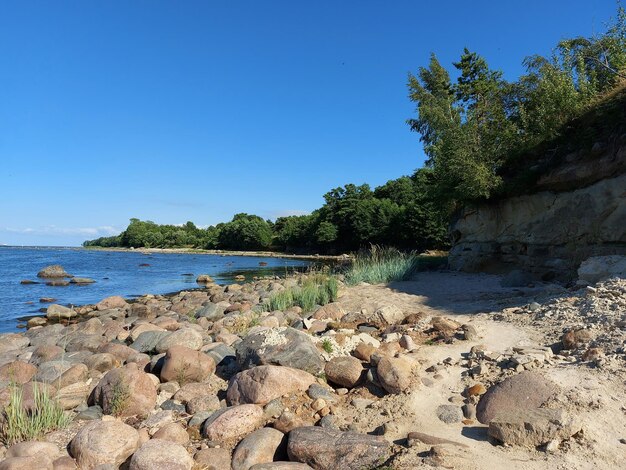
(182, 364)
(262, 446)
(233, 423)
(533, 427)
(528, 390)
(346, 371)
(279, 346)
(81, 280)
(103, 442)
(157, 454)
(328, 449)
(204, 279)
(262, 384)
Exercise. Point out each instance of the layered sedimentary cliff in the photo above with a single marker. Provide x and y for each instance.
(576, 210)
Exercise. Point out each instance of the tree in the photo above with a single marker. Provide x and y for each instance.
(245, 232)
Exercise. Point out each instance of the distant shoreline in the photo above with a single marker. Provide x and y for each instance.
(197, 251)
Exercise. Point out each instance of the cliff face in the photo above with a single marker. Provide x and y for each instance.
(577, 211)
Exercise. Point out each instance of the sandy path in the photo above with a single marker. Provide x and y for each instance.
(597, 397)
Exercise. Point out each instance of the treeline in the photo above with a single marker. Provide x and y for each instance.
(475, 129)
(477, 126)
(401, 213)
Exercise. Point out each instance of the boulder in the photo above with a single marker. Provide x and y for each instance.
(103, 442)
(211, 312)
(157, 454)
(114, 301)
(40, 462)
(533, 427)
(59, 312)
(233, 423)
(279, 346)
(331, 311)
(344, 370)
(329, 449)
(262, 446)
(172, 432)
(395, 373)
(213, 458)
(33, 449)
(262, 384)
(183, 365)
(147, 340)
(126, 391)
(17, 372)
(81, 280)
(598, 268)
(13, 342)
(53, 271)
(186, 337)
(528, 390)
(389, 314)
(204, 279)
(281, 466)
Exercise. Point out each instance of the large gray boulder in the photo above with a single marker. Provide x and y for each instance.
(329, 449)
(159, 454)
(533, 427)
(262, 446)
(528, 390)
(279, 346)
(262, 384)
(103, 442)
(598, 268)
(53, 271)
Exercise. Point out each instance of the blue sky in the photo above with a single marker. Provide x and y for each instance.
(176, 111)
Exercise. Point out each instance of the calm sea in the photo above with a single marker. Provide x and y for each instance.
(115, 273)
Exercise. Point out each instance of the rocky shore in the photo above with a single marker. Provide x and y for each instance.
(465, 375)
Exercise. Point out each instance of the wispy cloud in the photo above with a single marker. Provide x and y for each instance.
(105, 230)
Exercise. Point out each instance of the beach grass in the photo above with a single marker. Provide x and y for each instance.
(24, 424)
(315, 289)
(385, 264)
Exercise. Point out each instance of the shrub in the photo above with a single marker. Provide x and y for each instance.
(21, 424)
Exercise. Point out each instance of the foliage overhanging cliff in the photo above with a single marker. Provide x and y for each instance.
(484, 137)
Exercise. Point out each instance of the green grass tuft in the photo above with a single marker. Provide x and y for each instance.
(21, 424)
(317, 289)
(383, 265)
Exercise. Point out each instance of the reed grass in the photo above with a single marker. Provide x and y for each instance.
(384, 264)
(22, 424)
